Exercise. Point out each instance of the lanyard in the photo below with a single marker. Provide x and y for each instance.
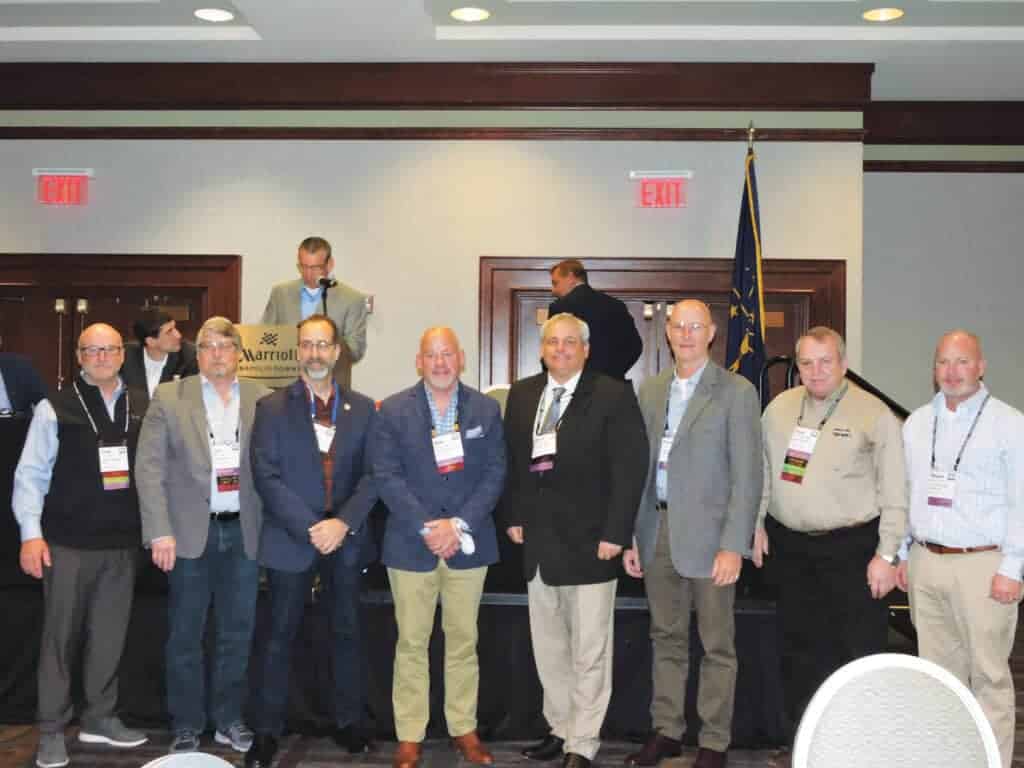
(334, 407)
(127, 409)
(828, 413)
(960, 455)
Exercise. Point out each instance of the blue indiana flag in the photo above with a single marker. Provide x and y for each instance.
(744, 351)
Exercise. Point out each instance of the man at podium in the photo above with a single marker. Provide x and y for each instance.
(316, 291)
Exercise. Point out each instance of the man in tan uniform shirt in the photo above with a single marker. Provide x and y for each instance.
(833, 515)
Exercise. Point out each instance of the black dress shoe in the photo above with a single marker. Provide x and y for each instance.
(352, 738)
(572, 760)
(548, 748)
(655, 749)
(261, 753)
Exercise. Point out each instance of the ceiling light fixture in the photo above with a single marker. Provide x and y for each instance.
(883, 14)
(470, 14)
(216, 15)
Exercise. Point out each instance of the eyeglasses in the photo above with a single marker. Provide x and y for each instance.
(694, 327)
(311, 267)
(217, 346)
(307, 345)
(93, 351)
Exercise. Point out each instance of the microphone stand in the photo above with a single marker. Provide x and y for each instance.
(326, 283)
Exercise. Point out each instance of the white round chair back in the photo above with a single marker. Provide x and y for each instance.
(891, 709)
(188, 760)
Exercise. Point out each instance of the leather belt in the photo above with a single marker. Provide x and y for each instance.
(224, 517)
(940, 549)
(661, 506)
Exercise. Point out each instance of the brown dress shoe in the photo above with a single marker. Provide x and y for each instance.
(781, 758)
(656, 749)
(709, 758)
(407, 755)
(472, 749)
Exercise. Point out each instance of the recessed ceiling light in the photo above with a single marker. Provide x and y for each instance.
(471, 14)
(216, 15)
(883, 14)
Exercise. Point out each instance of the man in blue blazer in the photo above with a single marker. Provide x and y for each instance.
(20, 386)
(311, 467)
(439, 464)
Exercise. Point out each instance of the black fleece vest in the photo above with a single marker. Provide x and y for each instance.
(78, 512)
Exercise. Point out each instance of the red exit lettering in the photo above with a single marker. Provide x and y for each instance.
(662, 193)
(62, 190)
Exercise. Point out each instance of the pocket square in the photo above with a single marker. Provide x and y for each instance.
(474, 432)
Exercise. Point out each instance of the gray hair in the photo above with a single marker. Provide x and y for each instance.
(821, 333)
(584, 329)
(222, 327)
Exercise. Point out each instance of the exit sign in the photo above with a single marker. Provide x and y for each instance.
(61, 186)
(661, 189)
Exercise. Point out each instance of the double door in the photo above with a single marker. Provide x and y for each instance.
(47, 300)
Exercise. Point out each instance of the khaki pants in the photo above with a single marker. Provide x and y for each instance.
(670, 598)
(961, 628)
(415, 595)
(572, 629)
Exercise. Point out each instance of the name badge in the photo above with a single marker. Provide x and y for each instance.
(448, 452)
(227, 463)
(665, 450)
(114, 467)
(941, 489)
(798, 454)
(544, 449)
(324, 436)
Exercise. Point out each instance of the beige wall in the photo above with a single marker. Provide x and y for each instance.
(942, 250)
(409, 220)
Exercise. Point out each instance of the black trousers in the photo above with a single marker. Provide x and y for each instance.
(826, 614)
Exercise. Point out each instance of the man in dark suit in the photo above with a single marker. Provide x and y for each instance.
(310, 461)
(577, 462)
(615, 344)
(160, 356)
(439, 465)
(20, 385)
(695, 524)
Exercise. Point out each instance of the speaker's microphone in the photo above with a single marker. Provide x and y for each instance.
(328, 282)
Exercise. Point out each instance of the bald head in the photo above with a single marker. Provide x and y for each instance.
(959, 366)
(100, 354)
(440, 359)
(690, 333)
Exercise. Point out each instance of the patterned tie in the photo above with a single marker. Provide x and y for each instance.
(551, 418)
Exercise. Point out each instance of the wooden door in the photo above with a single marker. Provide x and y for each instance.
(46, 300)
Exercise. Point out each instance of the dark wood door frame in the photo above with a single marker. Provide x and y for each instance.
(220, 275)
(823, 281)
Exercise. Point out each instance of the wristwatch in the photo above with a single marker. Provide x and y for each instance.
(892, 560)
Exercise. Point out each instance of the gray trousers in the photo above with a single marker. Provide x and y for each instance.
(670, 598)
(87, 601)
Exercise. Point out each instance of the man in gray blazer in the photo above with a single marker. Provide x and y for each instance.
(201, 517)
(295, 300)
(695, 524)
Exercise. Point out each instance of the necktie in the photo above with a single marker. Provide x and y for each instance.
(554, 411)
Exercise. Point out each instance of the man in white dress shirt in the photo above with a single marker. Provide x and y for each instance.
(965, 465)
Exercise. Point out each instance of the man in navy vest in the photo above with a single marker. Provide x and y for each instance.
(311, 466)
(79, 519)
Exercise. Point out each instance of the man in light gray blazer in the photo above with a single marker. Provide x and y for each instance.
(695, 525)
(201, 517)
(295, 300)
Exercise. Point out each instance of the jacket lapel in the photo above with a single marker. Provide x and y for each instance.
(192, 394)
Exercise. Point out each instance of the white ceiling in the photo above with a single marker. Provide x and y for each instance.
(942, 49)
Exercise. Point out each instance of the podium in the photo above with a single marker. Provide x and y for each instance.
(270, 355)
